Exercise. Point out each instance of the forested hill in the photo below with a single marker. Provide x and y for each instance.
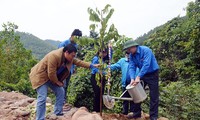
(38, 46)
(52, 42)
(176, 46)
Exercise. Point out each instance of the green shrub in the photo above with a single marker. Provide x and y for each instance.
(23, 86)
(180, 101)
(80, 92)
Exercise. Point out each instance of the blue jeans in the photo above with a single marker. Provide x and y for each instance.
(41, 99)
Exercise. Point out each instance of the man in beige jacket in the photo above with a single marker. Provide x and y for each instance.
(50, 72)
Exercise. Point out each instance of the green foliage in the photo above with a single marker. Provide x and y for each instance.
(80, 91)
(100, 19)
(118, 48)
(176, 46)
(52, 42)
(38, 47)
(116, 90)
(16, 61)
(180, 101)
(23, 86)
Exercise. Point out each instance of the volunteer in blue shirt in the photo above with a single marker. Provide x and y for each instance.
(123, 65)
(143, 58)
(94, 72)
(71, 40)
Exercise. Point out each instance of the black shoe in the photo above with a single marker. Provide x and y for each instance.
(125, 113)
(60, 114)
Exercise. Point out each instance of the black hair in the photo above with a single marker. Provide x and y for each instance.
(105, 50)
(127, 52)
(97, 54)
(70, 48)
(77, 32)
(105, 58)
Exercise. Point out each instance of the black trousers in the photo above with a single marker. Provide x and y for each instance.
(150, 79)
(127, 105)
(66, 83)
(96, 89)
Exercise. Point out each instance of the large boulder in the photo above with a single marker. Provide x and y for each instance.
(83, 114)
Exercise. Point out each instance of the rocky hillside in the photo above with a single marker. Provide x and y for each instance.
(16, 106)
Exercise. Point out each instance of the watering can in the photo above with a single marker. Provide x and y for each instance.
(136, 92)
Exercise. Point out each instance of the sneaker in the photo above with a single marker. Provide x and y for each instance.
(130, 116)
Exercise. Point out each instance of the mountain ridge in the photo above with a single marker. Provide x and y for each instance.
(38, 46)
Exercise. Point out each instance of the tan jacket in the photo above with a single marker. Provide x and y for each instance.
(46, 69)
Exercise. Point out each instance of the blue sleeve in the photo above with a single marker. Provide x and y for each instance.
(63, 44)
(116, 66)
(137, 71)
(76, 45)
(95, 60)
(146, 62)
(132, 67)
(91, 66)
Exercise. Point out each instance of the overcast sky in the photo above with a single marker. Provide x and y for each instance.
(56, 19)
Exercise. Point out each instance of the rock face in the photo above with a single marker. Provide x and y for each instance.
(16, 106)
(13, 106)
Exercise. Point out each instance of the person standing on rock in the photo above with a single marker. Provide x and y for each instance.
(143, 58)
(50, 72)
(76, 33)
(123, 65)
